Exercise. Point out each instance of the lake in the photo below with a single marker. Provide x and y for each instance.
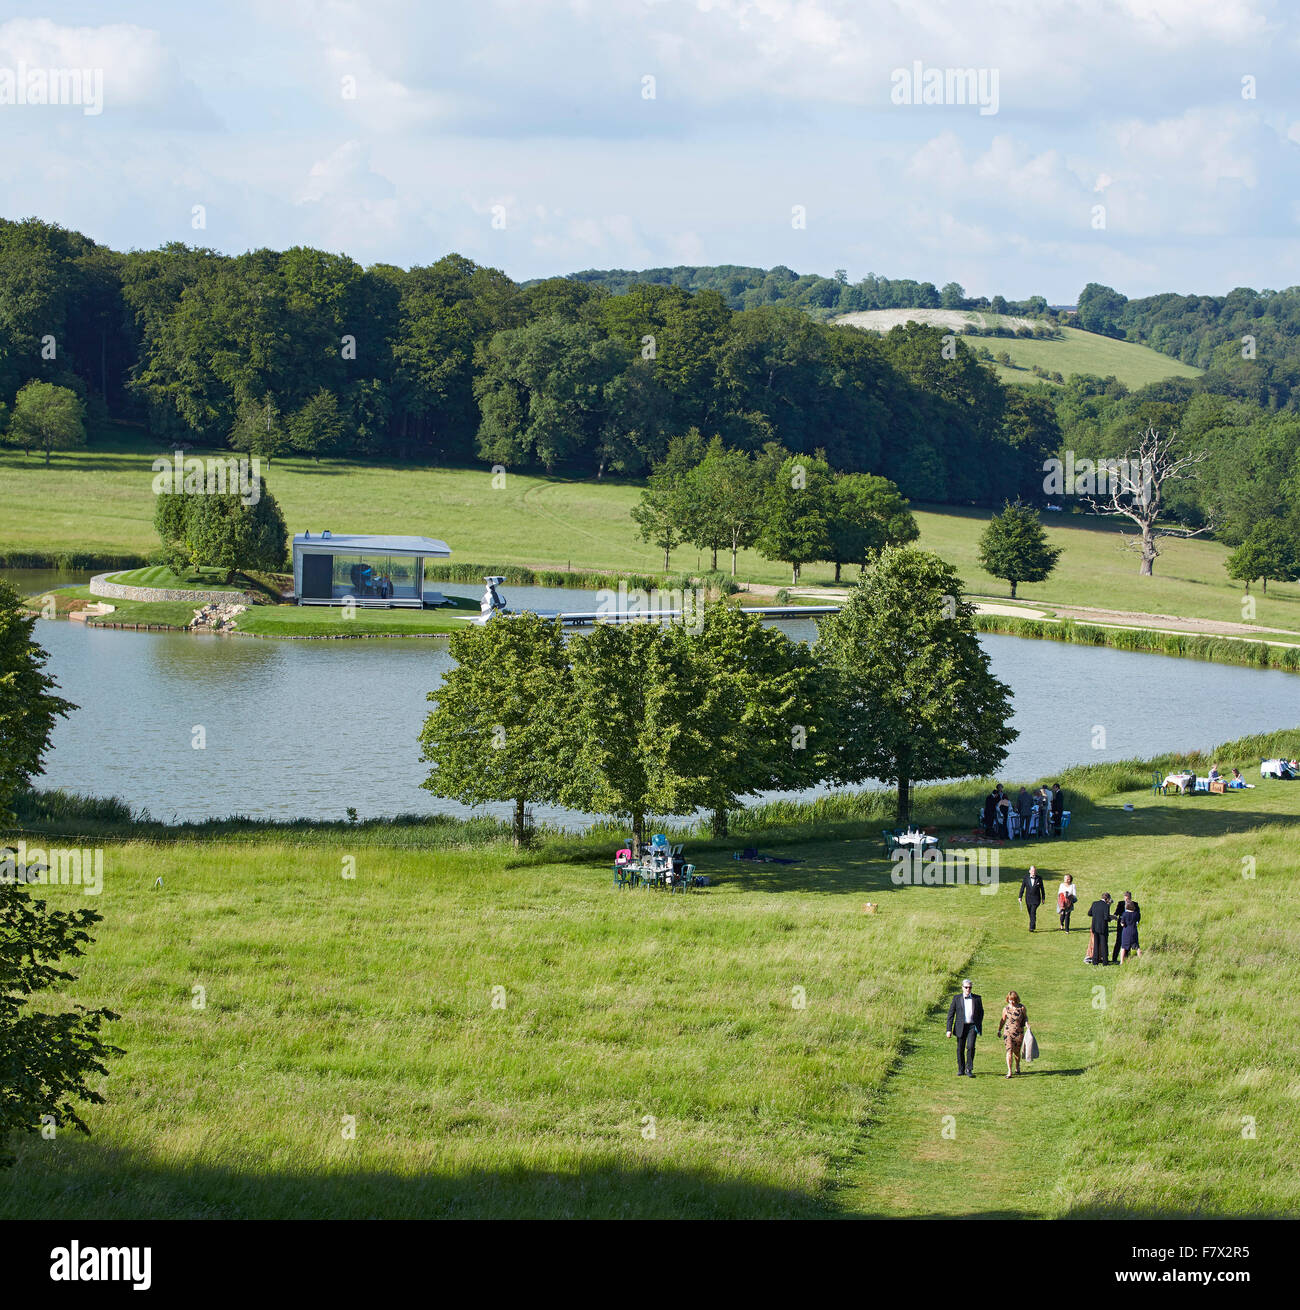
(308, 728)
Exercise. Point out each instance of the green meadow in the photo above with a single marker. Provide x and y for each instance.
(99, 502)
(1071, 351)
(1077, 351)
(466, 1031)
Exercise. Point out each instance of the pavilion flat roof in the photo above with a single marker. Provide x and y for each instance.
(345, 542)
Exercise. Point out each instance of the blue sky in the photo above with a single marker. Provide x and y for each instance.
(536, 112)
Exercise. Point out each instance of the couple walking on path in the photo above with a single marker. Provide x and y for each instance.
(966, 1021)
(1033, 892)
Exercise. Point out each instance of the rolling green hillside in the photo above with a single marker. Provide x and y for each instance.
(1075, 352)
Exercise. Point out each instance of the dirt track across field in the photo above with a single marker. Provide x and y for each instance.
(1080, 613)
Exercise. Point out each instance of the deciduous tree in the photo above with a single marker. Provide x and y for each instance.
(915, 700)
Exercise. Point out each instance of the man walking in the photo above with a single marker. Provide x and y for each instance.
(1032, 895)
(965, 1018)
(1099, 917)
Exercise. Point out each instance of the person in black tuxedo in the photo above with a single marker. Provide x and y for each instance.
(1032, 895)
(965, 1020)
(1099, 914)
(988, 819)
(1058, 807)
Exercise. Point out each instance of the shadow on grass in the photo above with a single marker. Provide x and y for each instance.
(86, 1181)
(831, 871)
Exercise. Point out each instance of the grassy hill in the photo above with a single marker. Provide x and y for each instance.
(760, 1048)
(1075, 352)
(100, 501)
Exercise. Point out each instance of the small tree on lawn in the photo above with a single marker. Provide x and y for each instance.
(721, 509)
(169, 521)
(1015, 547)
(48, 418)
(258, 428)
(870, 514)
(317, 428)
(1268, 553)
(662, 514)
(225, 532)
(797, 513)
(915, 699)
(497, 732)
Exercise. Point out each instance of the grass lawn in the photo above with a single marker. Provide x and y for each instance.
(100, 500)
(278, 620)
(649, 1055)
(204, 579)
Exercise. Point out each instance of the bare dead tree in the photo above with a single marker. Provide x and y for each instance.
(1137, 484)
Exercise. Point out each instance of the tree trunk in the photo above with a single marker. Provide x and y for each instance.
(1266, 586)
(638, 831)
(720, 821)
(714, 565)
(837, 571)
(794, 573)
(519, 822)
(666, 550)
(733, 561)
(903, 809)
(1148, 551)
(1013, 588)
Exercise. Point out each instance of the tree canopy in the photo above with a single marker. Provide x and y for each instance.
(915, 700)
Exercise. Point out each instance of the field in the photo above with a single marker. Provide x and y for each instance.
(1075, 352)
(100, 501)
(512, 1037)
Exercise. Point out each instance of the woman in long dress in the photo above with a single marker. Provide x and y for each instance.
(1011, 1027)
(1129, 916)
(1066, 896)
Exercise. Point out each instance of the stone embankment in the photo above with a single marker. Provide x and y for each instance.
(103, 585)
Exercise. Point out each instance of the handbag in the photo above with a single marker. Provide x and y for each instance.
(1029, 1046)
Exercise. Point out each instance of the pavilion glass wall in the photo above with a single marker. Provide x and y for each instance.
(376, 576)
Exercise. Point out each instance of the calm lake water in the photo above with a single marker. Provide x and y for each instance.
(309, 728)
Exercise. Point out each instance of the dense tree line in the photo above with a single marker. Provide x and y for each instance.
(751, 288)
(307, 351)
(1248, 341)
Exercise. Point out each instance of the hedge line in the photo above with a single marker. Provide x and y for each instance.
(71, 561)
(1220, 650)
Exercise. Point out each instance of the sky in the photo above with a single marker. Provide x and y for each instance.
(1148, 144)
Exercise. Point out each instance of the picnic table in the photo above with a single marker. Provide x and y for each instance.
(917, 841)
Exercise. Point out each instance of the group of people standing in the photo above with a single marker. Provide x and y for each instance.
(1126, 916)
(966, 1010)
(998, 805)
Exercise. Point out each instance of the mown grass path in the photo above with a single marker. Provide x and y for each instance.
(946, 1145)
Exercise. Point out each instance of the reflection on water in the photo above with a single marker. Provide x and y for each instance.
(311, 728)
